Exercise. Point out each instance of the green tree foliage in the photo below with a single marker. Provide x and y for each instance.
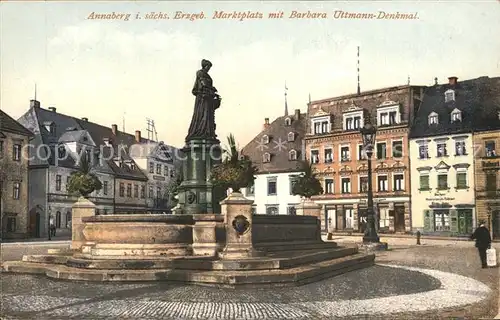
(83, 182)
(307, 184)
(236, 171)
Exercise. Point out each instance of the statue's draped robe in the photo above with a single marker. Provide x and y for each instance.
(207, 100)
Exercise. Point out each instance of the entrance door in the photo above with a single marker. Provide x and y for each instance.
(37, 225)
(399, 218)
(348, 218)
(330, 220)
(465, 221)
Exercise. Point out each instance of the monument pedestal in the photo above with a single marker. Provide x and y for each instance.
(197, 194)
(82, 208)
(237, 211)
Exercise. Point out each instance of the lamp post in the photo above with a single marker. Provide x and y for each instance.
(368, 133)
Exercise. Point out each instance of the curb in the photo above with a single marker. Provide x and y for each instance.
(40, 243)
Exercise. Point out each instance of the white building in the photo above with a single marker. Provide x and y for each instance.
(276, 152)
(442, 161)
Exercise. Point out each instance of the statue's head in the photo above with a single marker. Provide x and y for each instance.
(206, 65)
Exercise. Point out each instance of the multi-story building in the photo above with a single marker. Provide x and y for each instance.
(442, 158)
(334, 145)
(15, 217)
(486, 140)
(276, 152)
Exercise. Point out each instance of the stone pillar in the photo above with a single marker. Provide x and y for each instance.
(82, 208)
(407, 217)
(355, 225)
(391, 217)
(308, 208)
(205, 235)
(237, 211)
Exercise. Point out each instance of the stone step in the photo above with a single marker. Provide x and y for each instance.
(284, 246)
(47, 258)
(287, 277)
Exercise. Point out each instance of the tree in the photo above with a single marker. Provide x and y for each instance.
(236, 170)
(83, 182)
(173, 187)
(307, 184)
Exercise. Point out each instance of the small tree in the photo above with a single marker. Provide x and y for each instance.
(173, 188)
(236, 171)
(307, 184)
(83, 182)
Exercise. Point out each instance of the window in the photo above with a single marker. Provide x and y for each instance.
(441, 149)
(129, 190)
(105, 187)
(265, 139)
(456, 116)
(397, 149)
(441, 220)
(122, 189)
(291, 136)
(345, 154)
(449, 95)
(363, 184)
(68, 220)
(314, 156)
(16, 152)
(383, 217)
(150, 192)
(158, 168)
(321, 126)
(361, 152)
(273, 210)
(61, 152)
(460, 148)
(11, 224)
(461, 180)
(143, 192)
(384, 118)
(398, 182)
(328, 155)
(346, 185)
(381, 150)
(491, 181)
(392, 117)
(271, 187)
(424, 182)
(349, 124)
(266, 157)
(158, 192)
(288, 122)
(290, 210)
(357, 123)
(58, 219)
(136, 191)
(489, 147)
(442, 181)
(292, 155)
(293, 182)
(251, 190)
(433, 118)
(165, 171)
(329, 186)
(16, 190)
(133, 167)
(151, 167)
(383, 183)
(58, 182)
(423, 151)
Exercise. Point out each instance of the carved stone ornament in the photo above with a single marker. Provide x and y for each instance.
(241, 224)
(191, 197)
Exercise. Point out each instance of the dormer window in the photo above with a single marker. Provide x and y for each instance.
(292, 155)
(61, 152)
(288, 122)
(265, 139)
(107, 142)
(456, 116)
(50, 127)
(433, 118)
(449, 95)
(266, 157)
(132, 166)
(291, 136)
(388, 113)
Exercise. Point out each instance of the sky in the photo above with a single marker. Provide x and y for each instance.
(123, 72)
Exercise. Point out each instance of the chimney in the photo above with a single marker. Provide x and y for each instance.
(53, 109)
(452, 81)
(138, 136)
(85, 119)
(297, 114)
(266, 123)
(114, 129)
(34, 104)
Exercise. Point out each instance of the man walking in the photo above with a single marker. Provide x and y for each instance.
(483, 242)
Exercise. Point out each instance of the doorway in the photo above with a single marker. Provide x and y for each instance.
(399, 218)
(330, 221)
(37, 225)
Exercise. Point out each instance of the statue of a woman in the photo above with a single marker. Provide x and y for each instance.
(207, 101)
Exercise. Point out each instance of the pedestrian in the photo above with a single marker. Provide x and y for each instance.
(52, 227)
(483, 242)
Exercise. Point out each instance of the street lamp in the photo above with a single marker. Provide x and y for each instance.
(368, 133)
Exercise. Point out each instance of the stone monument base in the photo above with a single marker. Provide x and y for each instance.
(373, 246)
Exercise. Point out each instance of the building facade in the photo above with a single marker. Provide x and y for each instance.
(14, 180)
(276, 152)
(443, 158)
(334, 146)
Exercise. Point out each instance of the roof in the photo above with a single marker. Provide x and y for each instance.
(278, 146)
(7, 123)
(476, 99)
(68, 128)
